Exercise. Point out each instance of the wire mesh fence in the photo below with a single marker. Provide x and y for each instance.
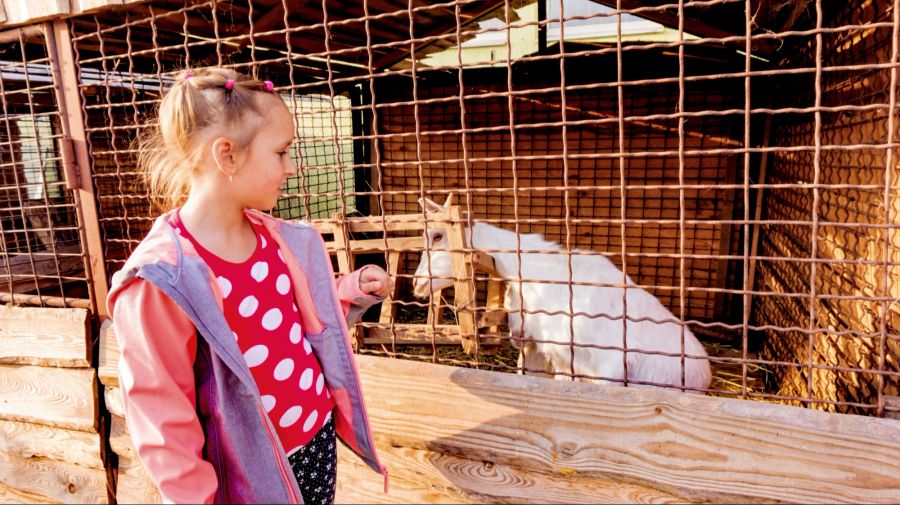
(719, 169)
(42, 256)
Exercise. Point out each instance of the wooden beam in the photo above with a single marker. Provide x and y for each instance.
(29, 440)
(68, 95)
(42, 336)
(422, 476)
(62, 397)
(479, 10)
(112, 398)
(420, 334)
(670, 20)
(53, 481)
(388, 307)
(134, 485)
(108, 361)
(464, 284)
(695, 447)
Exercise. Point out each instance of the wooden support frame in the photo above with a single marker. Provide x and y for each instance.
(477, 330)
(498, 437)
(68, 97)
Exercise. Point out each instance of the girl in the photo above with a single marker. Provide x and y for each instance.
(236, 368)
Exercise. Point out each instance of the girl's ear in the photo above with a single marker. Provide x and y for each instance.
(224, 155)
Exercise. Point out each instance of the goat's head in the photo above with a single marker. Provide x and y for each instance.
(435, 268)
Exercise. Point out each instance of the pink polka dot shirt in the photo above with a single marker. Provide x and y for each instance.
(259, 307)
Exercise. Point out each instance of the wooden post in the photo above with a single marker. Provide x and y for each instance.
(721, 308)
(435, 309)
(757, 211)
(68, 98)
(388, 308)
(464, 281)
(342, 245)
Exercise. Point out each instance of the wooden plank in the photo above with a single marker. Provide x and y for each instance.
(464, 286)
(88, 5)
(108, 359)
(421, 476)
(120, 440)
(388, 308)
(62, 397)
(68, 93)
(134, 485)
(420, 334)
(53, 481)
(12, 495)
(435, 308)
(43, 336)
(444, 334)
(112, 397)
(373, 245)
(695, 447)
(344, 254)
(30, 440)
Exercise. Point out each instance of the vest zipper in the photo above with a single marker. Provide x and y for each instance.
(284, 472)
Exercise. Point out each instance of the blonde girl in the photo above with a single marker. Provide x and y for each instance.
(236, 369)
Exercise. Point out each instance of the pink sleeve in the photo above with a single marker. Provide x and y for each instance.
(156, 373)
(353, 300)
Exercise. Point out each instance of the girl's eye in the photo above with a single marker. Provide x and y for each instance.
(437, 237)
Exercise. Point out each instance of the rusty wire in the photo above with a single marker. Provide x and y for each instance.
(652, 160)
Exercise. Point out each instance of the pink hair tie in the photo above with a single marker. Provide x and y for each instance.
(188, 75)
(230, 84)
(269, 85)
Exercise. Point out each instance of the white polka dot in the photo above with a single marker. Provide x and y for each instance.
(294, 306)
(320, 383)
(235, 336)
(283, 284)
(290, 416)
(327, 393)
(310, 421)
(268, 402)
(327, 417)
(306, 347)
(256, 355)
(263, 241)
(296, 333)
(284, 369)
(272, 319)
(306, 379)
(225, 286)
(259, 271)
(248, 306)
(281, 257)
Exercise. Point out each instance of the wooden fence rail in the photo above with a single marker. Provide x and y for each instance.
(453, 435)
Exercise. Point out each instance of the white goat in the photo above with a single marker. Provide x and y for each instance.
(542, 318)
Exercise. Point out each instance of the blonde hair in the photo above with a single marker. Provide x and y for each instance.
(200, 100)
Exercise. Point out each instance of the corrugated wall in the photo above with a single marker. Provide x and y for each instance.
(851, 312)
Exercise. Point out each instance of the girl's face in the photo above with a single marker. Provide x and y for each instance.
(260, 179)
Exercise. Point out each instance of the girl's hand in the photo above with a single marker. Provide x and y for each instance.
(373, 280)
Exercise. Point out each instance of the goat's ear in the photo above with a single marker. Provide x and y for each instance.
(429, 205)
(449, 201)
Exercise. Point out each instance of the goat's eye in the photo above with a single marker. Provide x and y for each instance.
(437, 237)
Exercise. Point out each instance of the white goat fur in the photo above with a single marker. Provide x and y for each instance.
(547, 336)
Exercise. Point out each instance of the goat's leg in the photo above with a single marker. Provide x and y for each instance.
(533, 362)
